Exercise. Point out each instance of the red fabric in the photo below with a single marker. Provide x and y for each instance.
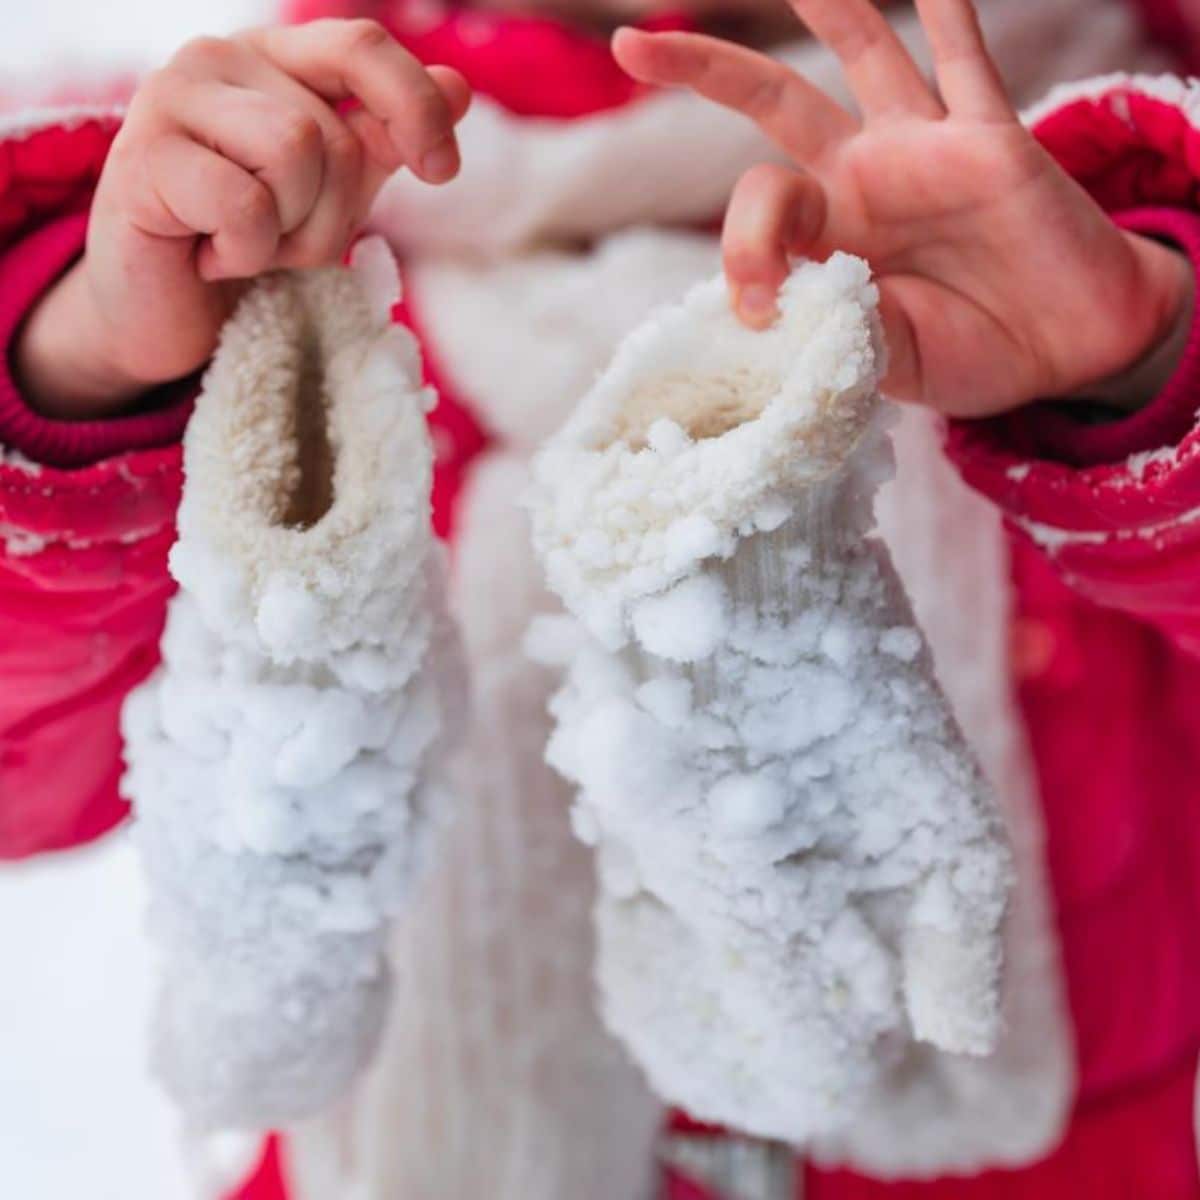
(269, 1179)
(80, 619)
(1174, 26)
(533, 66)
(457, 436)
(32, 266)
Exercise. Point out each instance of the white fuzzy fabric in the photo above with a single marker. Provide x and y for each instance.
(279, 761)
(636, 490)
(559, 315)
(495, 1077)
(935, 1113)
(1109, 90)
(801, 867)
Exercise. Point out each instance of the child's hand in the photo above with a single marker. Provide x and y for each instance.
(236, 158)
(1001, 281)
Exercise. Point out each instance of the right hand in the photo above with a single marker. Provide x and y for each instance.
(235, 159)
(1001, 281)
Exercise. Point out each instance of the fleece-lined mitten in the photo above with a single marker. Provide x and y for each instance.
(800, 862)
(281, 759)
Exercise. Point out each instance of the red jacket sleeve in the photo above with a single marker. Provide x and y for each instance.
(86, 519)
(1115, 508)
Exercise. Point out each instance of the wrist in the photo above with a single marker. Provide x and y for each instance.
(62, 356)
(1164, 289)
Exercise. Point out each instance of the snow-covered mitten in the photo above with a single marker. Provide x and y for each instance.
(800, 863)
(281, 761)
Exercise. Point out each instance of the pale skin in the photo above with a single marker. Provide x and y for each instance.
(233, 160)
(1001, 280)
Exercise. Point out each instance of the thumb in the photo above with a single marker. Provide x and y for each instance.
(775, 212)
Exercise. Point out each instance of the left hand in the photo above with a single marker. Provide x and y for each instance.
(1001, 281)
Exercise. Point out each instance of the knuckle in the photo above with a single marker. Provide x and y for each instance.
(343, 155)
(856, 43)
(765, 95)
(204, 55)
(155, 89)
(742, 258)
(299, 138)
(250, 209)
(430, 113)
(320, 249)
(364, 36)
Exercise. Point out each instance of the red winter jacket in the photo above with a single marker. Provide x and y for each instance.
(1112, 611)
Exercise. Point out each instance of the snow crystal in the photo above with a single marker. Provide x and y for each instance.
(666, 437)
(17, 461)
(690, 539)
(685, 623)
(783, 807)
(287, 614)
(663, 502)
(1140, 464)
(668, 700)
(746, 805)
(21, 543)
(281, 759)
(902, 643)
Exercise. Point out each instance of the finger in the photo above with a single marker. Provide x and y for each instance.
(347, 187)
(200, 192)
(967, 77)
(454, 86)
(794, 114)
(881, 73)
(382, 159)
(903, 380)
(774, 213)
(355, 156)
(280, 143)
(341, 60)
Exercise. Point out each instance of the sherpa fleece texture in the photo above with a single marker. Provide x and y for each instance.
(800, 861)
(282, 760)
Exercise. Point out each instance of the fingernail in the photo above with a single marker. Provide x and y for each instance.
(440, 163)
(756, 305)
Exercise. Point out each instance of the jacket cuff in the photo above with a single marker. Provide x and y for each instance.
(27, 271)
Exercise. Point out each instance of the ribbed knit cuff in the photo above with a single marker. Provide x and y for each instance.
(27, 271)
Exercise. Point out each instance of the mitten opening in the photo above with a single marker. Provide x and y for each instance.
(703, 408)
(310, 483)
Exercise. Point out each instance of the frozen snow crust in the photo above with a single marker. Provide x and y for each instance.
(802, 870)
(696, 436)
(279, 759)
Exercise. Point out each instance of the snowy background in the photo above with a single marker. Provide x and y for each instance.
(79, 1117)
